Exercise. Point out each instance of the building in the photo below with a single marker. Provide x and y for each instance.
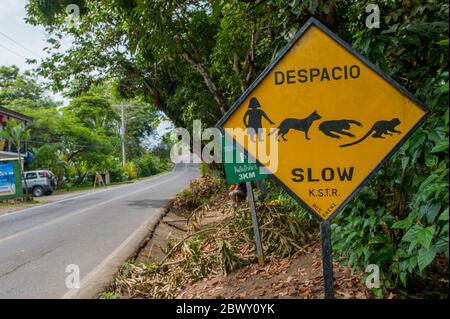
(7, 150)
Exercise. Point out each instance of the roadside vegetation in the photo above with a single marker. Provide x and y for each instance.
(192, 60)
(210, 239)
(82, 138)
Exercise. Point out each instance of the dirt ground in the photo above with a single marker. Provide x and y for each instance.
(173, 226)
(297, 276)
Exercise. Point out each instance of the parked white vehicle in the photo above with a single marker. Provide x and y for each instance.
(39, 183)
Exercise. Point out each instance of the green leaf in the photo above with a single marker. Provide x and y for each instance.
(411, 234)
(425, 257)
(430, 160)
(377, 240)
(377, 292)
(441, 246)
(433, 211)
(425, 236)
(405, 162)
(388, 219)
(440, 147)
(444, 215)
(403, 277)
(402, 224)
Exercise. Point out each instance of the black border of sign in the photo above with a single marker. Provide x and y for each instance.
(313, 21)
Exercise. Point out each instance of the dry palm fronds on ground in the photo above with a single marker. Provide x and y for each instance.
(199, 192)
(212, 248)
(296, 276)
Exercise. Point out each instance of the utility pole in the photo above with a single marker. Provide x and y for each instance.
(123, 134)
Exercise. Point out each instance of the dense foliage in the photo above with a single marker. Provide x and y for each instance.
(192, 59)
(83, 137)
(400, 221)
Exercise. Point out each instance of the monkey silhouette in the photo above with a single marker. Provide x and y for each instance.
(379, 129)
(336, 127)
(296, 124)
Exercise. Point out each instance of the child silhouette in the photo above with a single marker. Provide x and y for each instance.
(254, 122)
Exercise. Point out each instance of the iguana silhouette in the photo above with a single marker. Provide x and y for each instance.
(335, 127)
(379, 129)
(296, 124)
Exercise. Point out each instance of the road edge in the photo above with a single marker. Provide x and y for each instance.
(101, 277)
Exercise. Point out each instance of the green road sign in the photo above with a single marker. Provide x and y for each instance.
(238, 167)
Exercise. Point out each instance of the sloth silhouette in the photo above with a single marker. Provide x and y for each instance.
(336, 128)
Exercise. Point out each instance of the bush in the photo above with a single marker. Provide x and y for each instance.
(78, 172)
(400, 221)
(130, 171)
(149, 164)
(114, 166)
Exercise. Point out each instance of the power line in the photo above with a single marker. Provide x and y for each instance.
(12, 51)
(19, 44)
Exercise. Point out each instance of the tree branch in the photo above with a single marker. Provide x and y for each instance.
(207, 78)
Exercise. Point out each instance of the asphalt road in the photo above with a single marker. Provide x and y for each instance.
(96, 231)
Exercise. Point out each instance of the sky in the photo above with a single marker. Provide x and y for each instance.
(20, 41)
(29, 40)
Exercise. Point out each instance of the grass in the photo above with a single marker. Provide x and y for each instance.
(108, 295)
(12, 202)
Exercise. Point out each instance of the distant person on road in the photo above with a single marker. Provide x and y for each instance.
(253, 119)
(237, 193)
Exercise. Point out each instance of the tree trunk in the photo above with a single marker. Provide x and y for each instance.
(247, 71)
(161, 105)
(154, 94)
(27, 197)
(207, 78)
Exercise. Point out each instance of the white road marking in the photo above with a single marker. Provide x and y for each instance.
(80, 196)
(94, 273)
(83, 210)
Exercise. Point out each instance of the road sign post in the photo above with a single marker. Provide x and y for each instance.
(334, 117)
(251, 204)
(239, 169)
(327, 259)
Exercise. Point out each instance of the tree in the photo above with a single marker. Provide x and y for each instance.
(17, 134)
(95, 112)
(192, 59)
(400, 221)
(141, 120)
(152, 70)
(21, 89)
(77, 140)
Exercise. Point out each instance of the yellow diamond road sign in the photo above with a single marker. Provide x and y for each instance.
(333, 115)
